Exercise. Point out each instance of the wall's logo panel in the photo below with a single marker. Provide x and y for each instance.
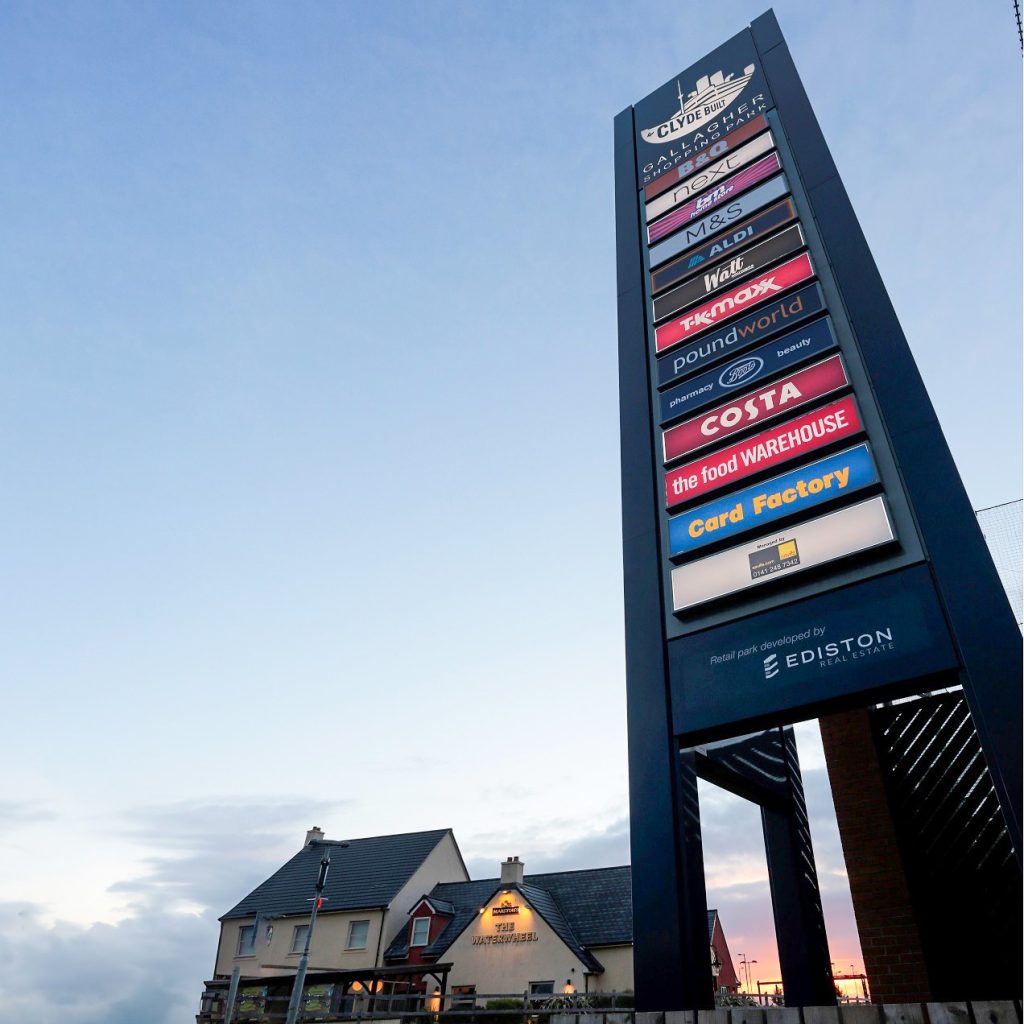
(796, 491)
(785, 352)
(723, 307)
(804, 546)
(835, 422)
(738, 237)
(737, 267)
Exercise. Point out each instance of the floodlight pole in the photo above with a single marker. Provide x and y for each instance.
(300, 974)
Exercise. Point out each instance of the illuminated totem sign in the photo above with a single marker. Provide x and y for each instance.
(780, 464)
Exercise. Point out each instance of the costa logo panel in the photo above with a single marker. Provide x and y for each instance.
(855, 528)
(742, 265)
(739, 237)
(732, 141)
(796, 491)
(741, 334)
(719, 220)
(700, 318)
(713, 173)
(764, 168)
(760, 364)
(764, 404)
(836, 421)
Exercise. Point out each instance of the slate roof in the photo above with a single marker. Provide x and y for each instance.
(584, 908)
(366, 873)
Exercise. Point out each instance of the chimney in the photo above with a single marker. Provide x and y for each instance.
(512, 871)
(314, 833)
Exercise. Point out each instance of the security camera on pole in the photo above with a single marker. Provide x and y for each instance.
(300, 974)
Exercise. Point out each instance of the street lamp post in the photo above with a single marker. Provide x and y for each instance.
(300, 974)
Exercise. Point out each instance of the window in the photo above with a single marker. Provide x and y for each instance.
(358, 933)
(246, 940)
(420, 931)
(299, 937)
(463, 995)
(542, 988)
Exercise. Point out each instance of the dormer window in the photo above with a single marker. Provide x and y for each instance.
(420, 931)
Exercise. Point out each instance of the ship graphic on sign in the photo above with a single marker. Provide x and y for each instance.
(713, 94)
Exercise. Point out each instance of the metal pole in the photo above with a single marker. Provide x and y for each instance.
(229, 1006)
(300, 973)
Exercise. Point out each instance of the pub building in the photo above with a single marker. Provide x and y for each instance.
(402, 924)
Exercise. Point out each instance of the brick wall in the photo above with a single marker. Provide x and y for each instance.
(889, 936)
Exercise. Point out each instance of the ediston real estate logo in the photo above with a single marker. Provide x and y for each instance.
(870, 643)
(712, 95)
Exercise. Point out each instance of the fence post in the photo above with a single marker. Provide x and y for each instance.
(229, 1006)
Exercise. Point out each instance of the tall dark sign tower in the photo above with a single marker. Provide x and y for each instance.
(796, 537)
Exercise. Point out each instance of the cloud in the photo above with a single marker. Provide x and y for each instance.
(21, 812)
(608, 847)
(151, 966)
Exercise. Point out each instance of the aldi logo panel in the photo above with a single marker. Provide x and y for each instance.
(719, 220)
(736, 238)
(742, 265)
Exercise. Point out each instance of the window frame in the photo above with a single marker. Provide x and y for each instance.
(251, 951)
(297, 946)
(412, 934)
(348, 938)
(534, 991)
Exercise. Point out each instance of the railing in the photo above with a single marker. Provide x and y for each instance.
(542, 1010)
(268, 1004)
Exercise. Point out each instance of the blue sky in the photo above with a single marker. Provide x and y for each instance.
(309, 403)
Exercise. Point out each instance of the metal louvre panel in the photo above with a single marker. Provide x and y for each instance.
(960, 864)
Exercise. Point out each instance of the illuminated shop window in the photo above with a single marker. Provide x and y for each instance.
(358, 933)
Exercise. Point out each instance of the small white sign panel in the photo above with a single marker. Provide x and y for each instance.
(854, 528)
